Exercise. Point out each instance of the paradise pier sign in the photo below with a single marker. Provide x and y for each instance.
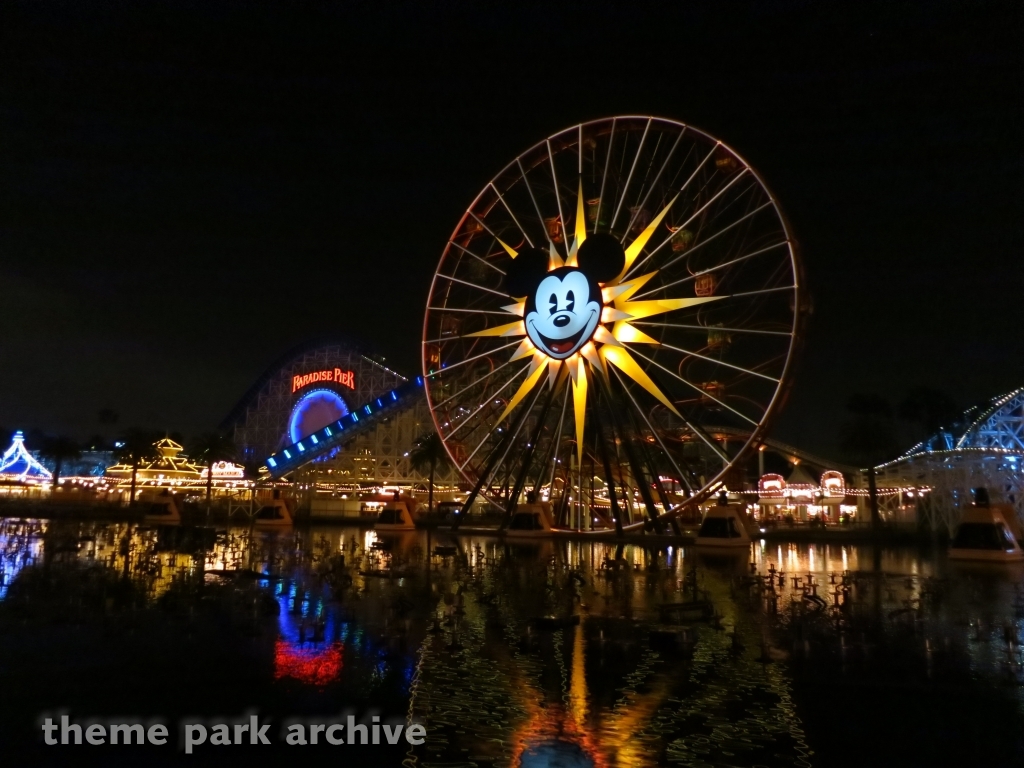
(330, 376)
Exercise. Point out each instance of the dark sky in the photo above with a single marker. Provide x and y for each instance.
(189, 189)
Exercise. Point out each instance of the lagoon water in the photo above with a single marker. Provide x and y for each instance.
(545, 653)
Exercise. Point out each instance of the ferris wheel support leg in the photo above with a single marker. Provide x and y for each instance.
(614, 409)
(524, 469)
(609, 478)
(647, 461)
(495, 458)
(666, 504)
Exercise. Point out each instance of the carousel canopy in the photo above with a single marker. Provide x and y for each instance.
(18, 464)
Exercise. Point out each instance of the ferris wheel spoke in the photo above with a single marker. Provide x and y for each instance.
(491, 232)
(709, 270)
(629, 178)
(558, 436)
(475, 256)
(693, 216)
(604, 174)
(654, 184)
(697, 389)
(479, 409)
(657, 435)
(690, 425)
(474, 383)
(760, 292)
(515, 435)
(504, 203)
(558, 197)
(447, 368)
(536, 208)
(707, 328)
(469, 311)
(472, 285)
(718, 362)
(689, 251)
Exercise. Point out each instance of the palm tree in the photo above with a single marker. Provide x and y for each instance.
(59, 449)
(137, 447)
(869, 437)
(211, 448)
(428, 450)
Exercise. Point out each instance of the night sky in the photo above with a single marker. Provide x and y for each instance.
(189, 189)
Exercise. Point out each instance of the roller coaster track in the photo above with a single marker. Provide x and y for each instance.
(334, 435)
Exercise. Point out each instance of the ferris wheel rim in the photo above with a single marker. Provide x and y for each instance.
(797, 289)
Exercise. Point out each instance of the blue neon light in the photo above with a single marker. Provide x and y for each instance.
(313, 411)
(326, 434)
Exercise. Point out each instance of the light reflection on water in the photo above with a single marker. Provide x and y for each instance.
(556, 653)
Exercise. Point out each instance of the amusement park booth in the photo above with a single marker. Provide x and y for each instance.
(800, 498)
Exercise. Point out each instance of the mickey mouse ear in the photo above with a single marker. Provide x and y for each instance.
(526, 271)
(601, 257)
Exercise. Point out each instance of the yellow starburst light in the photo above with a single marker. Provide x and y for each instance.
(608, 344)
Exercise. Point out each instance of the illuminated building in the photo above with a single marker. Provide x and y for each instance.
(91, 463)
(171, 468)
(802, 497)
(311, 387)
(19, 466)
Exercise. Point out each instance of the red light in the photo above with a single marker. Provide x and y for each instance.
(313, 666)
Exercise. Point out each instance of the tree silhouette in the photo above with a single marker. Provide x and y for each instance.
(428, 451)
(869, 438)
(868, 434)
(211, 448)
(59, 449)
(930, 408)
(137, 447)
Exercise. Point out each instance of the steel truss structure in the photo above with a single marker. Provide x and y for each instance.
(990, 454)
(259, 421)
(379, 456)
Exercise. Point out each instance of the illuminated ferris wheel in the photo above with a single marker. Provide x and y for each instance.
(612, 323)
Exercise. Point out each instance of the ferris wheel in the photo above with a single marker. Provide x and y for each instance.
(612, 324)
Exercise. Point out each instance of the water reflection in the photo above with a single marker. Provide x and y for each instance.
(550, 652)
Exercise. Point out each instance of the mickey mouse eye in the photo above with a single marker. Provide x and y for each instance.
(554, 304)
(570, 301)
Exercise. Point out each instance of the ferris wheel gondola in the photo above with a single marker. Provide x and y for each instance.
(613, 308)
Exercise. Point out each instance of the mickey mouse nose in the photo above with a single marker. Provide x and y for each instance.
(561, 321)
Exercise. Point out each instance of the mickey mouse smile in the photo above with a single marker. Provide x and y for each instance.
(564, 346)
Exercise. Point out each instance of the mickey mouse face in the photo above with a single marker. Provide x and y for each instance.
(565, 316)
(563, 307)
